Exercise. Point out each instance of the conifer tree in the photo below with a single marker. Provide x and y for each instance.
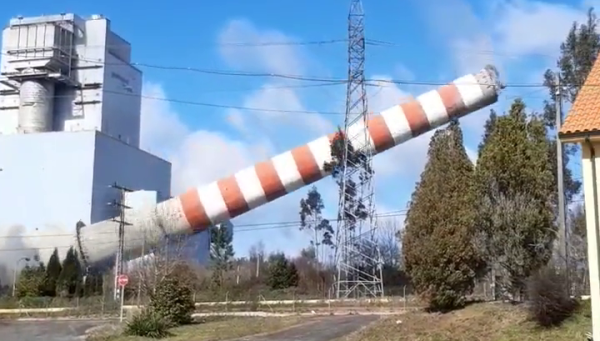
(282, 273)
(69, 282)
(516, 189)
(53, 270)
(578, 52)
(488, 128)
(439, 254)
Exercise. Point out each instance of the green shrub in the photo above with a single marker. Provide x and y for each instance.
(148, 323)
(550, 303)
(173, 301)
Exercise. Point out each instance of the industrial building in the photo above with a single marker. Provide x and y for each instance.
(70, 113)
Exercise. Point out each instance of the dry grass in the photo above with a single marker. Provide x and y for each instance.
(479, 322)
(214, 329)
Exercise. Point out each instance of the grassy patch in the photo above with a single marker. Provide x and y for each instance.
(214, 329)
(479, 322)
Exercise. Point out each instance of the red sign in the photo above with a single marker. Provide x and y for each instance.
(122, 280)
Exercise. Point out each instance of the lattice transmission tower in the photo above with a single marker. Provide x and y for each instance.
(357, 254)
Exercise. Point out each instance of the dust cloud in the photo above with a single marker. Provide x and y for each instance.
(18, 242)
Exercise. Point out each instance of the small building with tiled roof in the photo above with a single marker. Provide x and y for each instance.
(582, 126)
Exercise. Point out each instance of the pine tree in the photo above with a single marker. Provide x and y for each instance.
(69, 281)
(577, 56)
(53, 271)
(221, 251)
(439, 254)
(516, 187)
(282, 273)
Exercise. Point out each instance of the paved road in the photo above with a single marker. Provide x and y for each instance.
(45, 330)
(326, 329)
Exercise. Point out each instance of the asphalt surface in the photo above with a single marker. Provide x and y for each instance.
(46, 330)
(324, 329)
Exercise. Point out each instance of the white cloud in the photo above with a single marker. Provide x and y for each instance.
(504, 33)
(194, 154)
(164, 133)
(263, 55)
(274, 60)
(534, 27)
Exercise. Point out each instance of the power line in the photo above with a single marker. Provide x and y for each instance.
(228, 44)
(227, 106)
(248, 227)
(341, 80)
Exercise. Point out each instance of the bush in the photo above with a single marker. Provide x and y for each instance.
(173, 301)
(550, 302)
(282, 273)
(148, 323)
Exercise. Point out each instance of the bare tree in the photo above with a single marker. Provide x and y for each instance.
(166, 260)
(389, 246)
(577, 241)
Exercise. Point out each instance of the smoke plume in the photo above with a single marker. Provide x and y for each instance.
(18, 242)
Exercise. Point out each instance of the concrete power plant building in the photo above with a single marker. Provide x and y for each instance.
(70, 104)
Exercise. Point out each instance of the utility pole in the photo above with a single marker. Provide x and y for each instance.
(120, 259)
(562, 226)
(257, 266)
(139, 298)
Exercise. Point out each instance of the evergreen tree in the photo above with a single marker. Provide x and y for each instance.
(221, 251)
(577, 56)
(439, 254)
(516, 187)
(53, 271)
(69, 281)
(488, 128)
(282, 273)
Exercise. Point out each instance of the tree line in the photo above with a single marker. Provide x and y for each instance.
(497, 218)
(56, 278)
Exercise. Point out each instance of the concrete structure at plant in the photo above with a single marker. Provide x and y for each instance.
(70, 117)
(582, 126)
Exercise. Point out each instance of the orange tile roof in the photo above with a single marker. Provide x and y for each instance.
(584, 115)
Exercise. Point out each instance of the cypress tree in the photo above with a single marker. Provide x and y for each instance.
(439, 254)
(70, 279)
(516, 187)
(53, 271)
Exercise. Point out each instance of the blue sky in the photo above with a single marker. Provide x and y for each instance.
(430, 41)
